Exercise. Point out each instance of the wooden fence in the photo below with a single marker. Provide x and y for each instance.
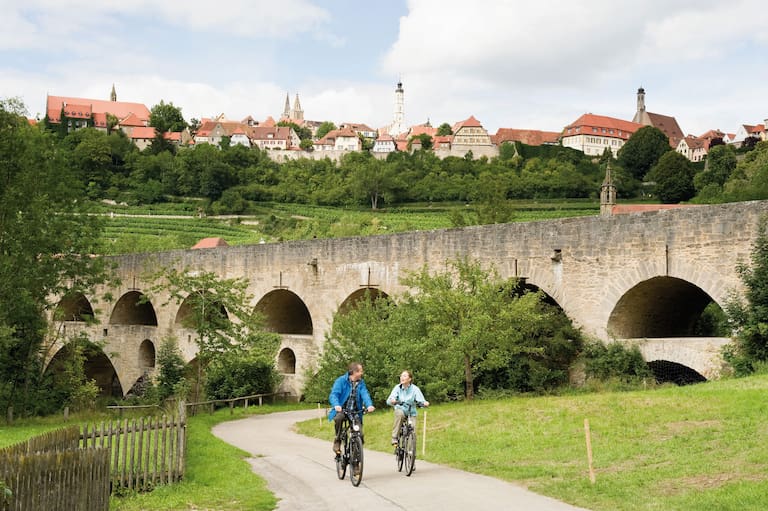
(49, 472)
(143, 453)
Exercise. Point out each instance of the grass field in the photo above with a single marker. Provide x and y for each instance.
(176, 226)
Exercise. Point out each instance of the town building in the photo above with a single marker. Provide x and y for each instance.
(527, 137)
(592, 134)
(86, 112)
(398, 121)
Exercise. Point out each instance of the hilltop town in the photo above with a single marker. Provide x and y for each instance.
(293, 136)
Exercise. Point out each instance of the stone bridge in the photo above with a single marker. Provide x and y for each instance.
(644, 277)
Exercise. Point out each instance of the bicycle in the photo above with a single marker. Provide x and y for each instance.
(351, 448)
(405, 450)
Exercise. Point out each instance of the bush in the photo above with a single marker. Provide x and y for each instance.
(614, 361)
(236, 376)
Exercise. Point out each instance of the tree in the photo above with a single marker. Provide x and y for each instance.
(370, 178)
(46, 237)
(673, 175)
(324, 128)
(219, 311)
(750, 318)
(444, 129)
(721, 161)
(643, 150)
(166, 117)
(480, 321)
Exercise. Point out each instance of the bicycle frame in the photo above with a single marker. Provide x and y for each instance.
(352, 447)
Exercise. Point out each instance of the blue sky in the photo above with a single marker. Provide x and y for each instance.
(534, 65)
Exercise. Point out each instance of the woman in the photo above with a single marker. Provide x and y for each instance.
(404, 394)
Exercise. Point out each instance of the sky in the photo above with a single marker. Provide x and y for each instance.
(511, 64)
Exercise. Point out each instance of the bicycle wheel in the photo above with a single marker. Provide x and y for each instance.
(341, 459)
(410, 452)
(356, 460)
(399, 449)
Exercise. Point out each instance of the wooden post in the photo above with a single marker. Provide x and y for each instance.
(231, 407)
(319, 415)
(10, 415)
(424, 436)
(66, 412)
(589, 451)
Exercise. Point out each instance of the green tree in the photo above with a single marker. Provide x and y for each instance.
(170, 375)
(490, 198)
(750, 318)
(46, 237)
(166, 117)
(749, 180)
(370, 178)
(219, 311)
(643, 150)
(673, 175)
(480, 321)
(721, 161)
(444, 129)
(324, 128)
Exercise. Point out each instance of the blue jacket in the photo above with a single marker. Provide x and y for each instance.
(340, 392)
(412, 395)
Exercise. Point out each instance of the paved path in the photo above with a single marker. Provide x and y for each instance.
(302, 474)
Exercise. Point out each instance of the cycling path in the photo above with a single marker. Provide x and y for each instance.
(302, 474)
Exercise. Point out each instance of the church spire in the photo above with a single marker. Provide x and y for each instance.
(113, 94)
(640, 114)
(287, 109)
(297, 113)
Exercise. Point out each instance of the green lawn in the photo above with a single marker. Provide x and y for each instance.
(689, 448)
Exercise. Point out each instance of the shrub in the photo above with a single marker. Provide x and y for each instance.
(236, 376)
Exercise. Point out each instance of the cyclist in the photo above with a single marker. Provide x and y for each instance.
(404, 392)
(348, 392)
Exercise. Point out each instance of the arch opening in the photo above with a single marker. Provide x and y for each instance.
(286, 361)
(132, 309)
(285, 313)
(96, 367)
(369, 294)
(194, 309)
(74, 307)
(672, 372)
(666, 307)
(147, 355)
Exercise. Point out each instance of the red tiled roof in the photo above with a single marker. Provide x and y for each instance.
(269, 122)
(211, 243)
(471, 122)
(132, 120)
(622, 129)
(142, 132)
(529, 137)
(695, 142)
(668, 125)
(422, 129)
(119, 109)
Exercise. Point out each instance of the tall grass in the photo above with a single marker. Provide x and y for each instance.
(686, 448)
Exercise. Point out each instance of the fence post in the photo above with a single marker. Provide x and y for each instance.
(231, 407)
(10, 414)
(589, 451)
(66, 412)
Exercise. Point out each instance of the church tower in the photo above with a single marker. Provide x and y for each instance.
(398, 122)
(297, 114)
(113, 94)
(607, 193)
(640, 106)
(287, 109)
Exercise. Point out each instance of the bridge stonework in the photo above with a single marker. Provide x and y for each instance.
(641, 275)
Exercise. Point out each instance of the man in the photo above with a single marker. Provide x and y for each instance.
(348, 393)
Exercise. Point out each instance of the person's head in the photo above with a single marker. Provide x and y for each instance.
(406, 377)
(355, 371)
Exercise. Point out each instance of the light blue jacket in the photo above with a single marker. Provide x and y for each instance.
(411, 395)
(340, 392)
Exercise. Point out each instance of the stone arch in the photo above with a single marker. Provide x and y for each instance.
(285, 313)
(130, 309)
(147, 355)
(364, 293)
(185, 316)
(667, 371)
(658, 307)
(286, 361)
(97, 367)
(74, 307)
